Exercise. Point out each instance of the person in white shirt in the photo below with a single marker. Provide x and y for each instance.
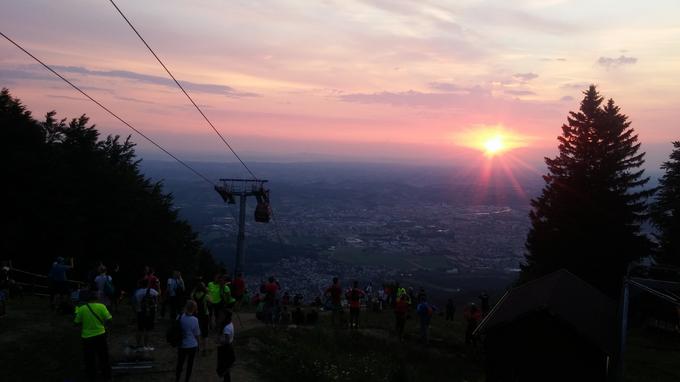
(175, 290)
(145, 302)
(100, 281)
(188, 348)
(225, 349)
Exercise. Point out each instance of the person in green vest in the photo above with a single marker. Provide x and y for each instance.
(215, 297)
(93, 318)
(220, 297)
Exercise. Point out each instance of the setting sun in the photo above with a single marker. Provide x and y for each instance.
(494, 145)
(490, 140)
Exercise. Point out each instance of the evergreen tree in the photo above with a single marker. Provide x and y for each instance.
(588, 217)
(666, 210)
(69, 193)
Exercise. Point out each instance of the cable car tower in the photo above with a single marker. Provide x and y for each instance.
(243, 188)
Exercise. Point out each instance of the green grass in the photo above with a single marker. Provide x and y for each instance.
(652, 356)
(36, 342)
(323, 353)
(39, 345)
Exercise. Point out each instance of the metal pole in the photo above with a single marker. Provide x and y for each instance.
(623, 331)
(241, 238)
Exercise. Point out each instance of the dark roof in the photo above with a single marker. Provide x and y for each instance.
(565, 296)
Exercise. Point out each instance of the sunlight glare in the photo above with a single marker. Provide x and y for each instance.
(490, 140)
(494, 145)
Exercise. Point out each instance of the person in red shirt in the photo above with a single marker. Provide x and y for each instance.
(272, 288)
(473, 315)
(335, 293)
(400, 310)
(151, 280)
(238, 287)
(354, 297)
(271, 308)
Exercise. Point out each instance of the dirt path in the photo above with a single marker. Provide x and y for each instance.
(164, 357)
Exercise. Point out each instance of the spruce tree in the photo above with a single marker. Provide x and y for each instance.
(70, 193)
(666, 210)
(588, 217)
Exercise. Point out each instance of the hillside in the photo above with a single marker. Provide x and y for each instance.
(39, 345)
(317, 353)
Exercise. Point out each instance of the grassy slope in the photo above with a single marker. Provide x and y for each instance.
(370, 354)
(38, 345)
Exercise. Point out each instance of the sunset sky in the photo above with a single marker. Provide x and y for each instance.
(350, 80)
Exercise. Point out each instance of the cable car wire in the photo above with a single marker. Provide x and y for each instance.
(276, 227)
(109, 111)
(183, 90)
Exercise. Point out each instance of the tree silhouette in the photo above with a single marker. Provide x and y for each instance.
(666, 210)
(588, 217)
(71, 194)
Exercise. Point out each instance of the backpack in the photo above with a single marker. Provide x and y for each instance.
(109, 289)
(174, 333)
(179, 288)
(148, 303)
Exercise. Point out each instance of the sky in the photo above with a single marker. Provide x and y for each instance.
(373, 80)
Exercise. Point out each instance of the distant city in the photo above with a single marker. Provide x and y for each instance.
(421, 226)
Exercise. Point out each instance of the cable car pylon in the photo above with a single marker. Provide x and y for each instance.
(243, 188)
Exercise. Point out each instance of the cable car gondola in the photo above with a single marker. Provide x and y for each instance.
(227, 196)
(263, 210)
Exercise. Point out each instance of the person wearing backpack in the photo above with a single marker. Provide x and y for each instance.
(174, 290)
(105, 289)
(186, 351)
(354, 297)
(425, 312)
(58, 282)
(151, 279)
(146, 302)
(94, 318)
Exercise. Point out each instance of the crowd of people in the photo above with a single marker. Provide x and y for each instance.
(197, 310)
(194, 314)
(274, 308)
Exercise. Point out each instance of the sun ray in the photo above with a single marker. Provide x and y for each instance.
(491, 140)
(513, 180)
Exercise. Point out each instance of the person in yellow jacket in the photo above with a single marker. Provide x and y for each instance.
(93, 318)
